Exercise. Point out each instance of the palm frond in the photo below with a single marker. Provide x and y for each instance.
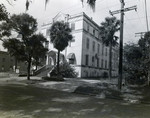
(46, 1)
(91, 3)
(27, 5)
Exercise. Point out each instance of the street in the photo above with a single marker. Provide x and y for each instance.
(27, 101)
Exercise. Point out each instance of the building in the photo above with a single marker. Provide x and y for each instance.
(8, 63)
(85, 52)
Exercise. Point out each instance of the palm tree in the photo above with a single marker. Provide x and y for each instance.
(108, 29)
(60, 35)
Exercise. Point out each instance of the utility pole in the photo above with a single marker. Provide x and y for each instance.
(146, 15)
(121, 38)
(141, 34)
(147, 39)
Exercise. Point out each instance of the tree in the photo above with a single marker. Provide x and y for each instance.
(133, 65)
(29, 44)
(136, 60)
(60, 35)
(4, 30)
(39, 48)
(108, 29)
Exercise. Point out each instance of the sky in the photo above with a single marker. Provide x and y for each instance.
(134, 21)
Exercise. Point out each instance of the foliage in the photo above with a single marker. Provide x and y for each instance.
(65, 70)
(3, 13)
(108, 29)
(4, 29)
(29, 45)
(60, 35)
(136, 61)
(91, 3)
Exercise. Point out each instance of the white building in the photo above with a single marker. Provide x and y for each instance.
(86, 51)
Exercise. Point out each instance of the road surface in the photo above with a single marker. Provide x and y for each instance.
(29, 101)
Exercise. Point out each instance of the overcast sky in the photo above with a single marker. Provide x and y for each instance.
(134, 21)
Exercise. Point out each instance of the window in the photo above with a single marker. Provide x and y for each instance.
(94, 32)
(102, 49)
(106, 52)
(93, 46)
(102, 63)
(106, 64)
(69, 43)
(3, 59)
(11, 68)
(73, 39)
(88, 27)
(73, 26)
(93, 59)
(87, 43)
(86, 59)
(98, 47)
(97, 62)
(71, 58)
(47, 44)
(48, 32)
(71, 61)
(2, 67)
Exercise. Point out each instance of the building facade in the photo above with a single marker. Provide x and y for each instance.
(8, 63)
(85, 52)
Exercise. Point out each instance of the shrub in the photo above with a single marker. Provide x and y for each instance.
(65, 70)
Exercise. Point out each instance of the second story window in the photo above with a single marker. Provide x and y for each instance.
(73, 26)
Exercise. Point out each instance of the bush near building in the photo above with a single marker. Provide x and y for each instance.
(65, 70)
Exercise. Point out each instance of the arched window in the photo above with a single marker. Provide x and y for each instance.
(71, 58)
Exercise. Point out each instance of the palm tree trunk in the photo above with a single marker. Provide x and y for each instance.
(110, 60)
(15, 63)
(58, 63)
(36, 64)
(28, 69)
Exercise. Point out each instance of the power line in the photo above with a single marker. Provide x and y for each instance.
(131, 23)
(140, 20)
(128, 33)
